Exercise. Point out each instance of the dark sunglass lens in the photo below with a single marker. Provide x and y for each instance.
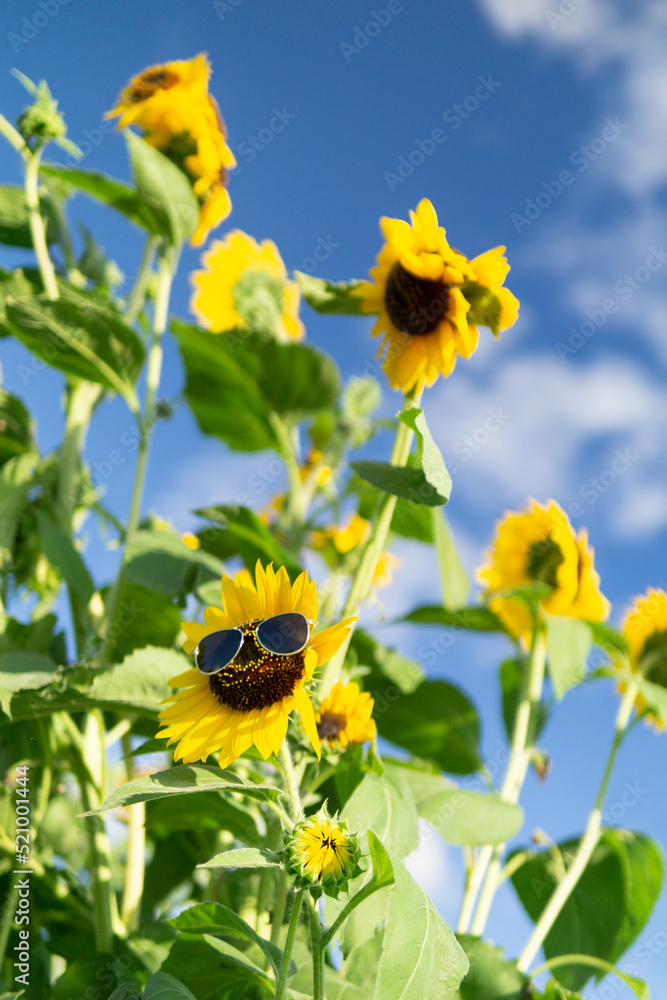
(283, 634)
(217, 650)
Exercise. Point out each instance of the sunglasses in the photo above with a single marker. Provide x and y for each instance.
(282, 635)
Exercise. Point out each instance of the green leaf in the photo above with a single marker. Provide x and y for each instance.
(410, 520)
(511, 684)
(21, 670)
(14, 219)
(15, 285)
(474, 618)
(82, 339)
(162, 562)
(16, 427)
(244, 533)
(568, 642)
(407, 482)
(555, 992)
(608, 907)
(162, 986)
(244, 857)
(59, 549)
(385, 804)
(491, 976)
(145, 618)
(420, 957)
(455, 582)
(328, 296)
(463, 817)
(108, 190)
(164, 189)
(16, 478)
(184, 779)
(608, 638)
(200, 963)
(215, 919)
(384, 664)
(235, 386)
(207, 811)
(435, 722)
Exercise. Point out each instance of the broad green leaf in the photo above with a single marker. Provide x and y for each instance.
(328, 296)
(207, 811)
(14, 220)
(436, 722)
(463, 817)
(455, 582)
(234, 386)
(162, 986)
(144, 618)
(17, 284)
(410, 520)
(491, 976)
(122, 197)
(83, 971)
(164, 189)
(385, 664)
(59, 549)
(21, 670)
(184, 779)
(16, 478)
(568, 642)
(16, 427)
(408, 482)
(608, 638)
(244, 857)
(385, 804)
(477, 619)
(197, 962)
(214, 919)
(242, 532)
(610, 904)
(428, 455)
(554, 991)
(160, 561)
(82, 339)
(420, 955)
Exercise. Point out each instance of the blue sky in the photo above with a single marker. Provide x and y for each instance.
(552, 139)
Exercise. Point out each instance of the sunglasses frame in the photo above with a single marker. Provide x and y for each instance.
(256, 623)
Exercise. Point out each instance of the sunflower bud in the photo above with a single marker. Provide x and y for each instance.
(323, 854)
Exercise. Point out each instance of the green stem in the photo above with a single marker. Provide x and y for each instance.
(488, 862)
(290, 781)
(13, 137)
(279, 904)
(587, 844)
(136, 848)
(317, 952)
(7, 921)
(37, 230)
(289, 944)
(137, 296)
(363, 577)
(166, 269)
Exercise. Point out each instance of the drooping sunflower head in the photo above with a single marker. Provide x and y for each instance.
(172, 105)
(645, 628)
(429, 299)
(249, 701)
(539, 545)
(345, 716)
(244, 286)
(323, 854)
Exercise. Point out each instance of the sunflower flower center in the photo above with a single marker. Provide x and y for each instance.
(256, 678)
(415, 305)
(654, 659)
(330, 725)
(544, 558)
(148, 83)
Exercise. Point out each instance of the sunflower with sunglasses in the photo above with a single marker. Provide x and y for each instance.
(253, 662)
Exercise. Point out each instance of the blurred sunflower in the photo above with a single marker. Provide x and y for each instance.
(244, 286)
(645, 628)
(172, 105)
(249, 703)
(347, 537)
(344, 716)
(429, 299)
(539, 545)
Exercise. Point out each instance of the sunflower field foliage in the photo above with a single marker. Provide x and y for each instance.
(213, 771)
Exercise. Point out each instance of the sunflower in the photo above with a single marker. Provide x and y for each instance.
(214, 713)
(244, 286)
(347, 537)
(539, 545)
(323, 854)
(645, 628)
(344, 716)
(429, 299)
(172, 105)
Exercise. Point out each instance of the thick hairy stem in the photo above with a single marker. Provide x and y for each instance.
(136, 849)
(317, 953)
(587, 844)
(290, 781)
(289, 944)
